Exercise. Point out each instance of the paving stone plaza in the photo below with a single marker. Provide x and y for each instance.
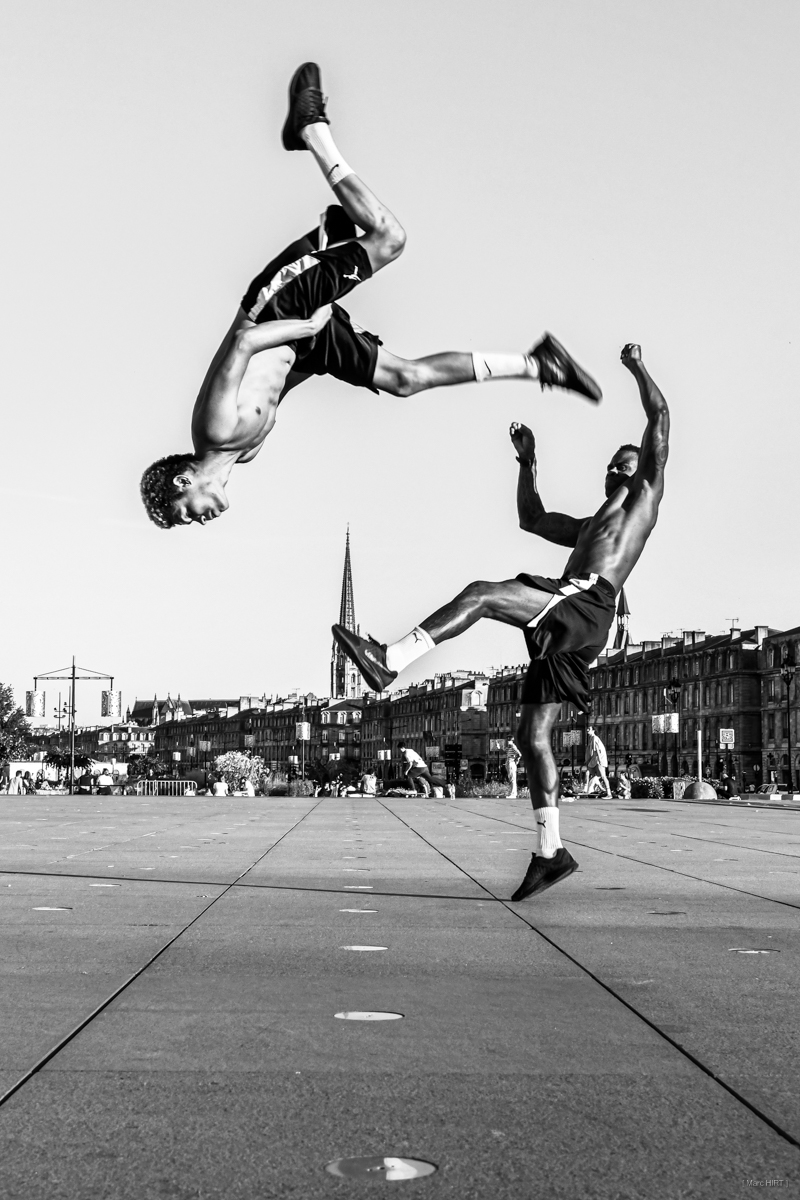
(190, 991)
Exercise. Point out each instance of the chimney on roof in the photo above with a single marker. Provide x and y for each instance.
(762, 631)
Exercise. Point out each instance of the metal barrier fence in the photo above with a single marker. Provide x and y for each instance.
(166, 787)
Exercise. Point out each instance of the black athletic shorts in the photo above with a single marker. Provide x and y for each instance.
(305, 284)
(566, 637)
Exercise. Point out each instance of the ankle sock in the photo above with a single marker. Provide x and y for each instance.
(408, 649)
(319, 140)
(504, 366)
(547, 826)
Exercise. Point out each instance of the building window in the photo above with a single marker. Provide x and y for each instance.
(770, 689)
(644, 701)
(706, 695)
(730, 693)
(771, 727)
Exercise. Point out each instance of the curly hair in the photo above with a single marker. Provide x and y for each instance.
(158, 490)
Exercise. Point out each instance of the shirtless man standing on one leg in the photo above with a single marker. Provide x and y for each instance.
(289, 327)
(566, 621)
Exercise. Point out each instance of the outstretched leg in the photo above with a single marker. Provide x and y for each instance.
(406, 377)
(511, 602)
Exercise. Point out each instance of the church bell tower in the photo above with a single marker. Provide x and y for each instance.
(346, 682)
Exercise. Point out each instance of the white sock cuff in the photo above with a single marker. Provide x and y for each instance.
(480, 367)
(547, 824)
(339, 172)
(426, 637)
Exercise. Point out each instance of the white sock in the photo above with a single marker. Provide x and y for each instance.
(409, 648)
(504, 366)
(547, 825)
(319, 140)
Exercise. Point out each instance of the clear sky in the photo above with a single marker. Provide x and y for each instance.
(610, 171)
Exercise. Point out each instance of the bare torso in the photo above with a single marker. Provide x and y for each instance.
(257, 396)
(610, 542)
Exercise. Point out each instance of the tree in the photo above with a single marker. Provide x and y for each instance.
(235, 765)
(14, 729)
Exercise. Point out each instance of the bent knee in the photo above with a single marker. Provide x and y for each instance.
(407, 378)
(388, 239)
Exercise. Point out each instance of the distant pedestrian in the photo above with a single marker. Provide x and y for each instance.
(16, 787)
(28, 784)
(220, 788)
(416, 769)
(245, 787)
(596, 760)
(513, 755)
(728, 787)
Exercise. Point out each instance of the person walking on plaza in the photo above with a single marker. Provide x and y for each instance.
(566, 621)
(596, 760)
(513, 755)
(416, 769)
(289, 327)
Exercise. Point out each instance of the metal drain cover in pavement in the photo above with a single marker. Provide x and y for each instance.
(748, 950)
(615, 888)
(363, 947)
(665, 912)
(388, 1168)
(369, 1016)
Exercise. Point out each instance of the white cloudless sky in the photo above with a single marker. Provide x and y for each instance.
(611, 171)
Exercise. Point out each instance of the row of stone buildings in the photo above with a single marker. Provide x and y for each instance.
(462, 722)
(729, 688)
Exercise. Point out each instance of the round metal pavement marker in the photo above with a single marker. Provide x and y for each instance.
(349, 910)
(751, 950)
(363, 947)
(369, 1015)
(386, 1167)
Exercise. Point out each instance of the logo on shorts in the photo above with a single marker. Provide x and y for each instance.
(354, 275)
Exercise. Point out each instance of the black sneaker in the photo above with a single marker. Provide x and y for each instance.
(306, 105)
(544, 872)
(368, 655)
(558, 369)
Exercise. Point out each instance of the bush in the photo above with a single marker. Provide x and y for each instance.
(234, 766)
(300, 787)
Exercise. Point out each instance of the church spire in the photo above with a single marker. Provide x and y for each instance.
(345, 678)
(622, 638)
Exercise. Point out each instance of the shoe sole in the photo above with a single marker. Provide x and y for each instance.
(589, 389)
(290, 137)
(536, 891)
(352, 652)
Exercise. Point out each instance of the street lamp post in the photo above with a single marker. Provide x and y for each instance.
(73, 677)
(788, 669)
(674, 694)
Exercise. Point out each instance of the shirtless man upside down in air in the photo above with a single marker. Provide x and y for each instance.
(289, 327)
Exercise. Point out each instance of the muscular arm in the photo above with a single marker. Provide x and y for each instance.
(533, 517)
(655, 443)
(222, 386)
